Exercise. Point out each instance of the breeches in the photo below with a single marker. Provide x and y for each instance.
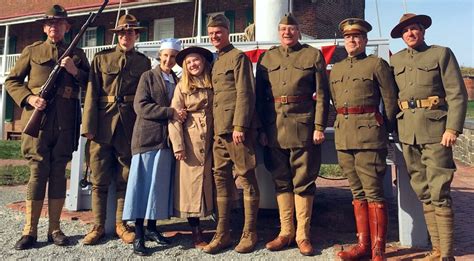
(239, 159)
(294, 170)
(431, 168)
(365, 170)
(47, 157)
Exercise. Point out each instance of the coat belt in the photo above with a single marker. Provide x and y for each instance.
(291, 99)
(356, 110)
(66, 92)
(431, 102)
(117, 99)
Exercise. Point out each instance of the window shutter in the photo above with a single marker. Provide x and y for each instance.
(100, 36)
(144, 34)
(11, 44)
(249, 16)
(9, 108)
(204, 25)
(231, 16)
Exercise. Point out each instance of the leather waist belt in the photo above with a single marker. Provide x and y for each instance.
(117, 99)
(66, 92)
(291, 99)
(431, 102)
(356, 110)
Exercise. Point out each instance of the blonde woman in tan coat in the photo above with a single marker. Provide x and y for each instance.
(192, 140)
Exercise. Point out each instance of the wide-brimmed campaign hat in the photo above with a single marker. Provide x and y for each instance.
(127, 22)
(408, 19)
(55, 12)
(193, 49)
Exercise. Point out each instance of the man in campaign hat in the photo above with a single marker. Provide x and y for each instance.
(293, 126)
(433, 102)
(235, 136)
(108, 123)
(48, 154)
(358, 84)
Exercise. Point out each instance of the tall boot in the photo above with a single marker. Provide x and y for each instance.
(55, 235)
(444, 220)
(378, 220)
(249, 238)
(304, 210)
(222, 238)
(122, 230)
(362, 249)
(99, 209)
(430, 218)
(286, 209)
(30, 231)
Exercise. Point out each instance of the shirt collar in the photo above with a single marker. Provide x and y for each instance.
(420, 48)
(360, 56)
(226, 49)
(291, 49)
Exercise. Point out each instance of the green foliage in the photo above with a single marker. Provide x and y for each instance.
(14, 175)
(330, 170)
(10, 149)
(470, 110)
(467, 71)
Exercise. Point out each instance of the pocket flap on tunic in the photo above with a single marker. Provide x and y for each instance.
(435, 114)
(427, 67)
(367, 123)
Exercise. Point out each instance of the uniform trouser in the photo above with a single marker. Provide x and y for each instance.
(431, 168)
(107, 162)
(294, 170)
(47, 157)
(365, 170)
(238, 159)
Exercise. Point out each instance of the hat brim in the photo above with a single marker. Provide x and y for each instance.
(417, 19)
(44, 19)
(194, 49)
(138, 28)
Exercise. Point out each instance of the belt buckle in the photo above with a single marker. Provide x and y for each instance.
(345, 111)
(412, 103)
(67, 92)
(284, 99)
(119, 99)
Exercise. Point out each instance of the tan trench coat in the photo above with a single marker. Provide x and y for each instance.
(193, 176)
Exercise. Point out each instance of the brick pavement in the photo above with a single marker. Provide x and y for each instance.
(333, 220)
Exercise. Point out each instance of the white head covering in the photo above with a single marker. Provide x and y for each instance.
(170, 43)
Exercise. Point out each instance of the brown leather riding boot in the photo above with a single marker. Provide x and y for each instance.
(444, 220)
(304, 210)
(221, 239)
(362, 249)
(55, 235)
(286, 209)
(198, 240)
(249, 238)
(378, 220)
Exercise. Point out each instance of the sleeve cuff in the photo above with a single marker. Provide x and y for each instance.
(453, 132)
(239, 128)
(319, 127)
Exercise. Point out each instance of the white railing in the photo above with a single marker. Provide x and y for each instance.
(91, 51)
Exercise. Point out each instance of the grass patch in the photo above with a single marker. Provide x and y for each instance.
(14, 175)
(10, 149)
(470, 110)
(331, 171)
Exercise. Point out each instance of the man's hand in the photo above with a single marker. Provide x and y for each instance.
(89, 136)
(318, 137)
(68, 64)
(449, 139)
(37, 102)
(180, 155)
(238, 137)
(180, 115)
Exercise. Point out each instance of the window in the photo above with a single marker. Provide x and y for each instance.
(90, 37)
(2, 45)
(163, 28)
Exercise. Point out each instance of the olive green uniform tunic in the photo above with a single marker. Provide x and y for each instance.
(361, 138)
(234, 109)
(114, 77)
(48, 154)
(298, 71)
(420, 73)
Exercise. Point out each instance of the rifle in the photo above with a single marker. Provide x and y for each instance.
(49, 89)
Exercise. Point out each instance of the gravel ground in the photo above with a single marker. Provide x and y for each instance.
(112, 248)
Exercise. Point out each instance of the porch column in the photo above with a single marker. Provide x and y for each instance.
(267, 15)
(199, 22)
(4, 91)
